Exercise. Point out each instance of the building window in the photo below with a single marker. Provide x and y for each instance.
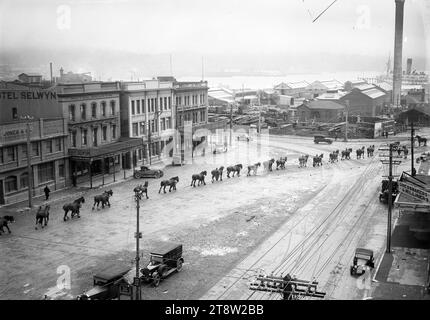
(113, 131)
(112, 107)
(73, 139)
(163, 124)
(83, 111)
(24, 150)
(142, 128)
(135, 132)
(46, 172)
(169, 122)
(14, 113)
(143, 106)
(58, 144)
(94, 110)
(95, 141)
(84, 134)
(10, 184)
(1, 155)
(138, 106)
(152, 125)
(61, 172)
(161, 103)
(48, 146)
(10, 151)
(104, 108)
(132, 107)
(104, 133)
(23, 180)
(152, 105)
(165, 103)
(170, 102)
(72, 112)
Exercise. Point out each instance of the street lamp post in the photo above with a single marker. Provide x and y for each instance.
(138, 236)
(28, 119)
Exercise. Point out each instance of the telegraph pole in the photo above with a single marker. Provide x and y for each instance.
(412, 149)
(138, 236)
(346, 120)
(231, 122)
(390, 198)
(28, 118)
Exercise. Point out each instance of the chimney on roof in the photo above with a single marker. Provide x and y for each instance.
(50, 70)
(398, 48)
(409, 66)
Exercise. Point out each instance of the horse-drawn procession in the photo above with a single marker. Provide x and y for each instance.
(197, 179)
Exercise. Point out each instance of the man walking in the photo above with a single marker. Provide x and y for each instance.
(47, 191)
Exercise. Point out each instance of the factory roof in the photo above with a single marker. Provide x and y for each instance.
(373, 93)
(321, 104)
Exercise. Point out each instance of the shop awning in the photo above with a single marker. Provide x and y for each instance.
(108, 150)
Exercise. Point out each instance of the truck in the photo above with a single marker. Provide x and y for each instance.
(164, 260)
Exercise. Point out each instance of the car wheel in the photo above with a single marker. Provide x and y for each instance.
(136, 176)
(156, 279)
(157, 175)
(179, 265)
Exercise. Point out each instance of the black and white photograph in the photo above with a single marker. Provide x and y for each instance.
(224, 153)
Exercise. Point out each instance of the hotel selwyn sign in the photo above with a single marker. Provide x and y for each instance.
(414, 191)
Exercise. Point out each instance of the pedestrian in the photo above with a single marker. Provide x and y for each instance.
(47, 191)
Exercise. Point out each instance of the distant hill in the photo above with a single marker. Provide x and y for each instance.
(126, 65)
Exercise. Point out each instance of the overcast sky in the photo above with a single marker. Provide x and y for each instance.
(221, 26)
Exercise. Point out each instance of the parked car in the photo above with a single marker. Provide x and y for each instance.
(146, 172)
(243, 137)
(164, 260)
(362, 258)
(319, 138)
(106, 284)
(219, 148)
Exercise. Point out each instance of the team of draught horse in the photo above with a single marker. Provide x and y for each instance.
(42, 215)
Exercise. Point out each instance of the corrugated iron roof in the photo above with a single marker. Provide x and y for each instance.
(373, 93)
(322, 104)
(364, 86)
(384, 86)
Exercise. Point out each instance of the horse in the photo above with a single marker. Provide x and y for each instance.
(405, 151)
(171, 183)
(370, 151)
(317, 160)
(281, 163)
(303, 160)
(268, 164)
(103, 198)
(334, 156)
(200, 177)
(253, 168)
(421, 139)
(4, 221)
(235, 169)
(42, 216)
(73, 207)
(142, 189)
(346, 154)
(217, 173)
(360, 153)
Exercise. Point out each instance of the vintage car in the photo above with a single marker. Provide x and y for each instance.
(219, 148)
(319, 138)
(243, 137)
(106, 284)
(164, 260)
(423, 157)
(145, 172)
(363, 259)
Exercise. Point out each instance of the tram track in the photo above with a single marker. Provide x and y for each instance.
(344, 201)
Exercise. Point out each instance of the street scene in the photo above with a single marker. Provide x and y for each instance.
(199, 177)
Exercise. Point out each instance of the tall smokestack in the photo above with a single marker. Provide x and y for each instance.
(50, 68)
(398, 42)
(409, 66)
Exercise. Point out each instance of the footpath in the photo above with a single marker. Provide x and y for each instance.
(404, 273)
